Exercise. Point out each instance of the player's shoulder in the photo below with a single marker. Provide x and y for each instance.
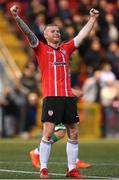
(40, 45)
(66, 43)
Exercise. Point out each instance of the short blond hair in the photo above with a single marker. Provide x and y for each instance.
(50, 25)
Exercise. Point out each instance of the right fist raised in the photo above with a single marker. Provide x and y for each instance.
(14, 10)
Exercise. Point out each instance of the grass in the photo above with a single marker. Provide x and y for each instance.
(102, 154)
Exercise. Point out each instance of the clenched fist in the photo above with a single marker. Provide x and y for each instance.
(14, 10)
(94, 13)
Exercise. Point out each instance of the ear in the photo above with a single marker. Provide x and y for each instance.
(45, 35)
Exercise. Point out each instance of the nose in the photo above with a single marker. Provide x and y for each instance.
(56, 32)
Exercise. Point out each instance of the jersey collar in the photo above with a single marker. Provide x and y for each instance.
(53, 47)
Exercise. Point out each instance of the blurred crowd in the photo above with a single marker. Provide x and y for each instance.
(94, 66)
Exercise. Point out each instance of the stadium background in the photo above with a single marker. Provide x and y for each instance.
(94, 68)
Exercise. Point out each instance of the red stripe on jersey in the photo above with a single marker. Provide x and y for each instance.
(54, 66)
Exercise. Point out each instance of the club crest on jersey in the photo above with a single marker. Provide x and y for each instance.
(63, 52)
(50, 112)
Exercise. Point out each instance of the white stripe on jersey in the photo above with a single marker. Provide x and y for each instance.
(49, 70)
(55, 73)
(65, 75)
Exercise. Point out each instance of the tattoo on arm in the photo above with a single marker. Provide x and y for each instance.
(26, 30)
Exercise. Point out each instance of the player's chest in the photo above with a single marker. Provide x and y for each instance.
(56, 55)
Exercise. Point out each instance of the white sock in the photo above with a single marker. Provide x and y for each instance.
(36, 151)
(45, 148)
(77, 159)
(72, 153)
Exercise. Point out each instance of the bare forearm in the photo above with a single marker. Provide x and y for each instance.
(85, 31)
(26, 30)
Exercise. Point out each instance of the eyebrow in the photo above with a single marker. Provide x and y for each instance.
(55, 30)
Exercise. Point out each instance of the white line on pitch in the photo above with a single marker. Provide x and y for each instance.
(54, 174)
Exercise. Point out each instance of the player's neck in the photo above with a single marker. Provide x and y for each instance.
(56, 45)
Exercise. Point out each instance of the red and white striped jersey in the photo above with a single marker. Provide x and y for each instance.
(54, 67)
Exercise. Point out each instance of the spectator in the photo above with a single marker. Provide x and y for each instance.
(51, 7)
(112, 31)
(70, 30)
(9, 113)
(93, 56)
(28, 81)
(31, 112)
(75, 64)
(19, 97)
(106, 75)
(39, 26)
(77, 21)
(84, 7)
(113, 57)
(108, 94)
(116, 15)
(64, 11)
(115, 106)
(91, 88)
(103, 35)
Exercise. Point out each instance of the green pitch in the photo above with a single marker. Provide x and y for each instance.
(102, 154)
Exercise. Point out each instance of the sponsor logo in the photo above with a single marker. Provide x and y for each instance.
(50, 112)
(58, 63)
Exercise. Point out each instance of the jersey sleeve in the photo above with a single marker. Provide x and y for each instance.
(69, 47)
(39, 48)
